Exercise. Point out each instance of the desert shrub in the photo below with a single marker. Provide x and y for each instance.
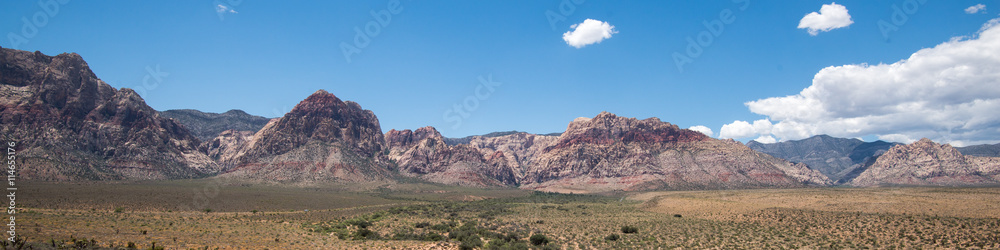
(433, 237)
(471, 243)
(365, 234)
(539, 240)
(511, 236)
(629, 229)
(441, 227)
(360, 222)
(519, 245)
(119, 209)
(404, 233)
(612, 237)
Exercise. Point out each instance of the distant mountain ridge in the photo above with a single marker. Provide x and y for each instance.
(981, 150)
(71, 126)
(468, 139)
(207, 125)
(834, 157)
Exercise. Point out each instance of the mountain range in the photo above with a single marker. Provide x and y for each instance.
(72, 126)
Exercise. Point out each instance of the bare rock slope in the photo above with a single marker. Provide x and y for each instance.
(321, 139)
(70, 125)
(928, 163)
(424, 154)
(608, 152)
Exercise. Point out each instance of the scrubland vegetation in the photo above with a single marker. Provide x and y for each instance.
(420, 216)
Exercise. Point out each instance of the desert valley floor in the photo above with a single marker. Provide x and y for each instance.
(213, 213)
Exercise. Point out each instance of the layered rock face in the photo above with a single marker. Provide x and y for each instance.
(607, 153)
(70, 125)
(519, 149)
(321, 139)
(206, 125)
(225, 146)
(927, 163)
(424, 154)
(834, 157)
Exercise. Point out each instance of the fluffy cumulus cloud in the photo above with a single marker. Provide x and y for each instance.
(588, 32)
(975, 8)
(831, 16)
(766, 139)
(742, 129)
(704, 130)
(949, 93)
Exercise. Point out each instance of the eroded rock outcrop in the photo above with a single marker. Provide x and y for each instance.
(70, 125)
(928, 163)
(608, 152)
(321, 139)
(424, 154)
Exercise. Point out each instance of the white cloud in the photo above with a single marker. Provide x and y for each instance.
(831, 16)
(766, 139)
(737, 129)
(897, 138)
(743, 129)
(704, 130)
(949, 93)
(975, 8)
(588, 32)
(224, 9)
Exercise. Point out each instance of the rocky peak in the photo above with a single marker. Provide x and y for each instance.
(608, 152)
(321, 139)
(407, 138)
(607, 128)
(322, 117)
(927, 163)
(79, 127)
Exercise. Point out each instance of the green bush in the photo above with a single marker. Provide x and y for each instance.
(433, 237)
(365, 234)
(539, 240)
(612, 237)
(441, 227)
(471, 243)
(629, 229)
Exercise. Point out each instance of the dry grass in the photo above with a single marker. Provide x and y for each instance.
(723, 204)
(406, 216)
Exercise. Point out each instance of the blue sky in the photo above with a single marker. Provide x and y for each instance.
(265, 56)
